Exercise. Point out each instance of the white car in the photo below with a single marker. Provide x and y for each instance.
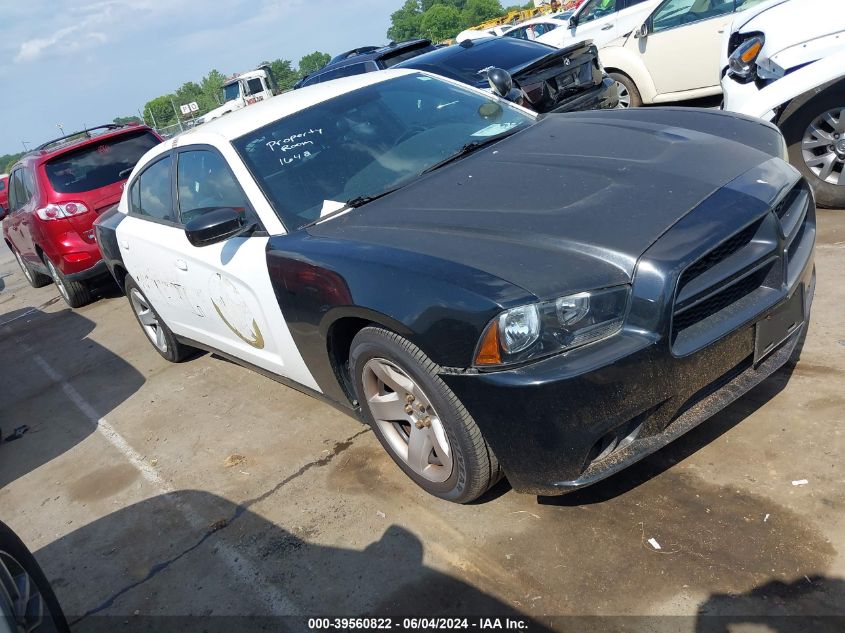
(474, 34)
(673, 54)
(600, 21)
(785, 63)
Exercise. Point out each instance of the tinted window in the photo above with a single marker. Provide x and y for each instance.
(367, 141)
(469, 65)
(99, 164)
(154, 199)
(596, 9)
(674, 13)
(631, 3)
(15, 191)
(21, 188)
(204, 182)
(254, 86)
(344, 71)
(389, 61)
(2, 185)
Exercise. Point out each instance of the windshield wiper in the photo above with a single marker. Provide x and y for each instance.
(470, 147)
(352, 203)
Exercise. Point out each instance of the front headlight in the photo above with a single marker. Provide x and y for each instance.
(541, 329)
(744, 58)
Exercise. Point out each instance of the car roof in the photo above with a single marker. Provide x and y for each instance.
(74, 141)
(393, 47)
(441, 56)
(240, 122)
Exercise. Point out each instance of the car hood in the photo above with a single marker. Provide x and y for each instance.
(570, 203)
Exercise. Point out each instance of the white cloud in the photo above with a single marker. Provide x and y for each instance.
(66, 41)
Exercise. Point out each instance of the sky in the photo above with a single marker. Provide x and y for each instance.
(84, 62)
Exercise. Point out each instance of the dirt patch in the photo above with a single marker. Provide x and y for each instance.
(103, 482)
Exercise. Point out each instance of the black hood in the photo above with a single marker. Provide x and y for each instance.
(570, 203)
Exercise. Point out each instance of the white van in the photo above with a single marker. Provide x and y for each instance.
(785, 63)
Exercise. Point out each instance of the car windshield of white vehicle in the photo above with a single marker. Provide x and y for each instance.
(680, 12)
(98, 164)
(359, 145)
(232, 91)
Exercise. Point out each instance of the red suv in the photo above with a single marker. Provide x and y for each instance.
(55, 194)
(4, 192)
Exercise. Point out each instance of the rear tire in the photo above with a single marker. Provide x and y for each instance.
(803, 130)
(452, 460)
(75, 293)
(629, 96)
(35, 279)
(158, 334)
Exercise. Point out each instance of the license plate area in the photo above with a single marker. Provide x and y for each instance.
(779, 325)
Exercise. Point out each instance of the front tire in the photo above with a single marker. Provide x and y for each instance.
(629, 96)
(418, 420)
(75, 293)
(159, 335)
(815, 136)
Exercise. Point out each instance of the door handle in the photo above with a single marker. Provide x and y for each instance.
(721, 30)
(607, 27)
(181, 264)
(124, 245)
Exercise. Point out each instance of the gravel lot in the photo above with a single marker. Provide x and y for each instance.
(203, 488)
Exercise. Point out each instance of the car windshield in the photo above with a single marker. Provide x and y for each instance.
(368, 141)
(232, 91)
(98, 164)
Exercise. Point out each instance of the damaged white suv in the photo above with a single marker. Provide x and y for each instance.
(784, 61)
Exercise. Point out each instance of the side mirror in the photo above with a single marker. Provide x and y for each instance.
(642, 31)
(573, 21)
(215, 226)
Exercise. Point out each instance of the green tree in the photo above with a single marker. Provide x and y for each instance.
(425, 5)
(212, 85)
(7, 160)
(441, 22)
(313, 62)
(160, 111)
(478, 11)
(283, 73)
(123, 120)
(405, 23)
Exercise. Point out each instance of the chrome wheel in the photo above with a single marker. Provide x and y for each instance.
(57, 279)
(823, 146)
(24, 267)
(407, 420)
(148, 320)
(624, 95)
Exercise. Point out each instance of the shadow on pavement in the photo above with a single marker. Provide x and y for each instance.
(810, 603)
(46, 361)
(191, 553)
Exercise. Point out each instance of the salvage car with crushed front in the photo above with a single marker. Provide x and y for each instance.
(490, 297)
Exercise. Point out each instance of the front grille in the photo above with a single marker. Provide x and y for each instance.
(744, 275)
(721, 300)
(721, 252)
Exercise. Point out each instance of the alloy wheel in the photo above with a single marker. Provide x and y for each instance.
(24, 267)
(823, 146)
(624, 95)
(57, 279)
(407, 420)
(148, 320)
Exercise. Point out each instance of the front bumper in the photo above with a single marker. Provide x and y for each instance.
(604, 96)
(574, 419)
(747, 99)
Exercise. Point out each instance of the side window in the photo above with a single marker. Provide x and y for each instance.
(345, 71)
(204, 182)
(675, 13)
(153, 198)
(21, 189)
(596, 9)
(254, 86)
(518, 33)
(632, 3)
(14, 196)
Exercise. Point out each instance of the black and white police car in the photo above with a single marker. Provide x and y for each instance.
(548, 298)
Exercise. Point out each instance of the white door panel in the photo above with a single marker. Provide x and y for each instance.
(684, 58)
(218, 295)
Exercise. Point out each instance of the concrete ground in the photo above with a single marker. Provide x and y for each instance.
(203, 488)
